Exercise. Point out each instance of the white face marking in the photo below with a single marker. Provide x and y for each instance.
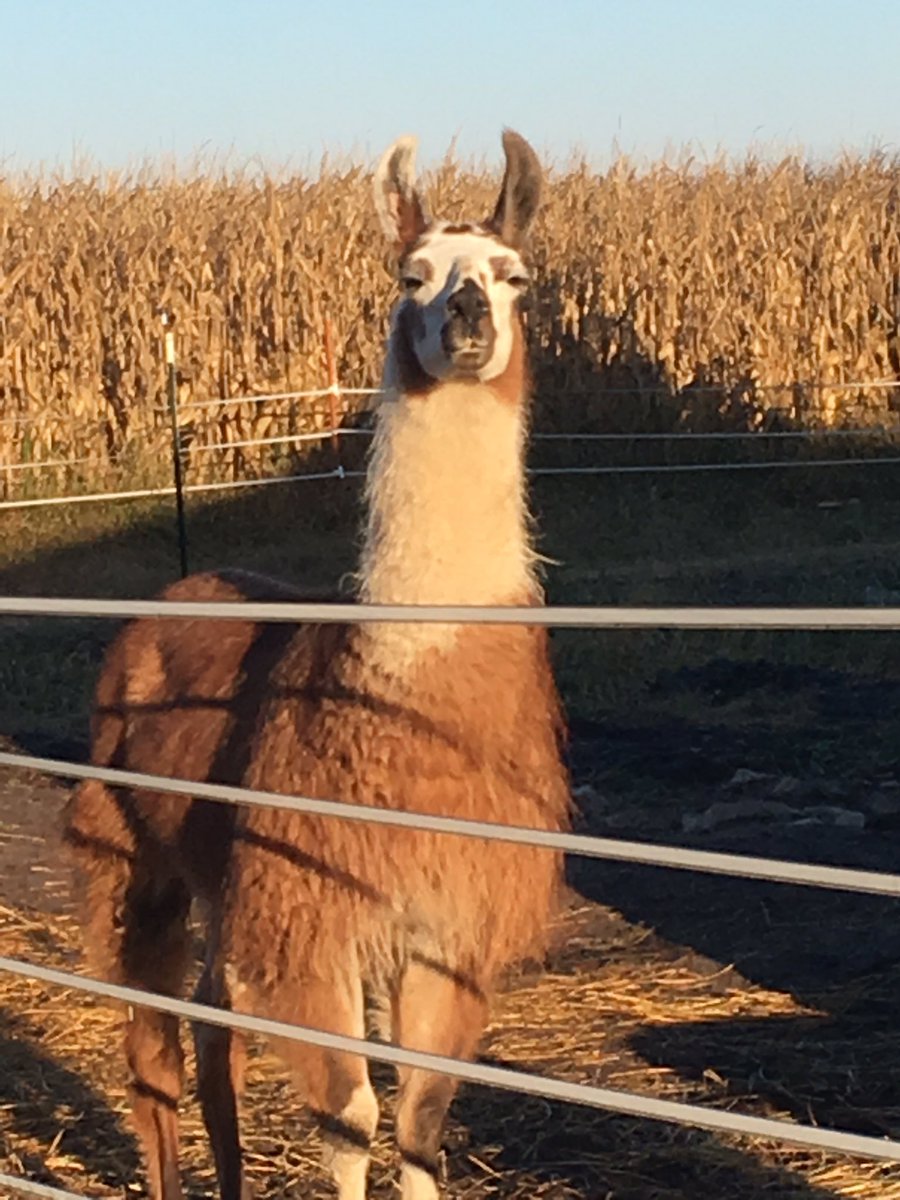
(435, 271)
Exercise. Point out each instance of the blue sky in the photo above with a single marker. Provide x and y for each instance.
(280, 82)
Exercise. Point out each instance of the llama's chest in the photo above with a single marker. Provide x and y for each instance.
(472, 735)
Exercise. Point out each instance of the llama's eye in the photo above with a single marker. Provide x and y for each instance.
(520, 282)
(410, 283)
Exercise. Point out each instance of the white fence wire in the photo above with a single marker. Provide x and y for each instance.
(334, 435)
(668, 856)
(341, 473)
(190, 489)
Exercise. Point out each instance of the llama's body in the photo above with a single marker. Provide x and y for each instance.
(307, 914)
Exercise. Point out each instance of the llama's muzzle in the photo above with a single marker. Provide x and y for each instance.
(468, 334)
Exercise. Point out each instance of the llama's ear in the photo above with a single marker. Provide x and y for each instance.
(520, 192)
(397, 202)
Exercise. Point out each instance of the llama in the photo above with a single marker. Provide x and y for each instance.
(307, 920)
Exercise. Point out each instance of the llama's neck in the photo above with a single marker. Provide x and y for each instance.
(448, 522)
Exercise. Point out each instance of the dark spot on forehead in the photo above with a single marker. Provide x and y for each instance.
(501, 266)
(420, 267)
(436, 232)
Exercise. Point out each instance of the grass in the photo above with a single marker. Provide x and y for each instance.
(819, 536)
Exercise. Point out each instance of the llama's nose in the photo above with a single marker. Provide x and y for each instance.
(469, 305)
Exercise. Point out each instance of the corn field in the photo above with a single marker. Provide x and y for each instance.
(674, 296)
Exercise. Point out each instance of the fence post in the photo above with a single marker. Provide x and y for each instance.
(334, 393)
(168, 324)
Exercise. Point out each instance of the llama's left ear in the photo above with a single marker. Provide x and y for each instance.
(520, 192)
(397, 202)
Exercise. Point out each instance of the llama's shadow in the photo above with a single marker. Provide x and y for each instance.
(584, 1152)
(837, 954)
(47, 1104)
(609, 383)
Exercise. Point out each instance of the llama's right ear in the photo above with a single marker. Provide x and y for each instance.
(396, 199)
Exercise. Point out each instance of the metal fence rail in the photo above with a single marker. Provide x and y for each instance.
(610, 1099)
(845, 879)
(27, 1187)
(667, 856)
(554, 616)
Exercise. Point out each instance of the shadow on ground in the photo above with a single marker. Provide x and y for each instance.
(44, 1101)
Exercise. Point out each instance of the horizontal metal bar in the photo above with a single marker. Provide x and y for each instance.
(609, 1099)
(572, 616)
(27, 1187)
(647, 853)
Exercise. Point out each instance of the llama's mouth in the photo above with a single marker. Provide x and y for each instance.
(472, 358)
(467, 355)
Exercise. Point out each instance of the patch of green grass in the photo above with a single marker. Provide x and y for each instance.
(819, 537)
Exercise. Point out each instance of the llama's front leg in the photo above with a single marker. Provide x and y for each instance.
(336, 1085)
(437, 1012)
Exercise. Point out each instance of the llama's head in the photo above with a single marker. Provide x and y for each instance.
(458, 315)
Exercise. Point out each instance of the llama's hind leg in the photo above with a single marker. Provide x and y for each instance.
(135, 916)
(220, 1083)
(336, 1085)
(154, 958)
(436, 1011)
(155, 1059)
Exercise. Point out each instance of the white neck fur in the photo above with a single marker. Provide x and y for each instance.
(447, 522)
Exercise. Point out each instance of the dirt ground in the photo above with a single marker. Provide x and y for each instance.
(774, 1000)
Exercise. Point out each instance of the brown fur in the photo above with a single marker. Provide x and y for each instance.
(310, 903)
(420, 267)
(249, 703)
(465, 227)
(514, 381)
